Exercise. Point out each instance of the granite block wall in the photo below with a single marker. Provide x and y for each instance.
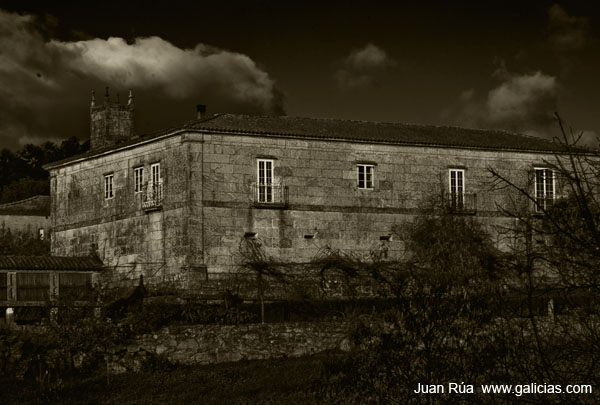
(209, 204)
(325, 207)
(210, 344)
(130, 240)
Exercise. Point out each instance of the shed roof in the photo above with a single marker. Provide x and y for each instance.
(36, 205)
(40, 263)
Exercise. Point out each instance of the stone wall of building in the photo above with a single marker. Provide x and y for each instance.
(326, 208)
(28, 224)
(209, 204)
(26, 216)
(110, 122)
(211, 344)
(129, 240)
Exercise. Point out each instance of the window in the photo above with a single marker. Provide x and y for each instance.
(155, 173)
(265, 180)
(138, 179)
(544, 189)
(457, 187)
(365, 176)
(108, 187)
(41, 234)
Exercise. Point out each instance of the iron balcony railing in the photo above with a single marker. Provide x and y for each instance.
(152, 196)
(275, 195)
(544, 203)
(463, 202)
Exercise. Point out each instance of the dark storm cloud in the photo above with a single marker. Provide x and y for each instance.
(566, 33)
(43, 80)
(362, 66)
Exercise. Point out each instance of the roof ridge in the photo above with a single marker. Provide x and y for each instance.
(398, 123)
(345, 130)
(22, 201)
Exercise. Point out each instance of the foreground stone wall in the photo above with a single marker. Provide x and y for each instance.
(210, 344)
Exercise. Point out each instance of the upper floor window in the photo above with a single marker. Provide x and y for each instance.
(265, 180)
(365, 176)
(155, 173)
(108, 187)
(138, 179)
(456, 182)
(545, 187)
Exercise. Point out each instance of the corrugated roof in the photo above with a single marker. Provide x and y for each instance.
(347, 130)
(37, 205)
(50, 263)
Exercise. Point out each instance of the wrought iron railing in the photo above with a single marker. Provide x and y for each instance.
(270, 194)
(543, 204)
(462, 202)
(152, 196)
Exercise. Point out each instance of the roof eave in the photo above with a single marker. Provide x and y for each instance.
(82, 158)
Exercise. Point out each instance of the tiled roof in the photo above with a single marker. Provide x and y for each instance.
(50, 263)
(347, 130)
(376, 132)
(37, 205)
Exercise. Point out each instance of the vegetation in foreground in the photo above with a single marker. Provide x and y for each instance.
(275, 381)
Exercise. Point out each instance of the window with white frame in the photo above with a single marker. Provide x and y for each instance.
(264, 173)
(365, 176)
(456, 182)
(545, 187)
(108, 187)
(138, 179)
(155, 173)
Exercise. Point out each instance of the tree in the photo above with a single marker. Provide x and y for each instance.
(22, 243)
(254, 259)
(439, 327)
(555, 259)
(22, 174)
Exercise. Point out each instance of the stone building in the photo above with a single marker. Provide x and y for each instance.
(30, 216)
(174, 205)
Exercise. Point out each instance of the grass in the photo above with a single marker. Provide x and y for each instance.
(274, 381)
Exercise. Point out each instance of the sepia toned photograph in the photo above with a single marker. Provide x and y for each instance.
(285, 202)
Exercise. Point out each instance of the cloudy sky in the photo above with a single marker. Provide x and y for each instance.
(499, 64)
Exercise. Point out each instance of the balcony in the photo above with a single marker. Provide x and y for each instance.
(544, 203)
(269, 195)
(152, 196)
(463, 203)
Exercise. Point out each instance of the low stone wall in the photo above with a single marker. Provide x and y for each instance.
(209, 344)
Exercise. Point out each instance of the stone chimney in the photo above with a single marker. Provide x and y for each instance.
(201, 111)
(110, 122)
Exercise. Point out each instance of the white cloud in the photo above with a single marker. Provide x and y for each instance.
(524, 103)
(360, 68)
(43, 79)
(152, 61)
(369, 57)
(523, 99)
